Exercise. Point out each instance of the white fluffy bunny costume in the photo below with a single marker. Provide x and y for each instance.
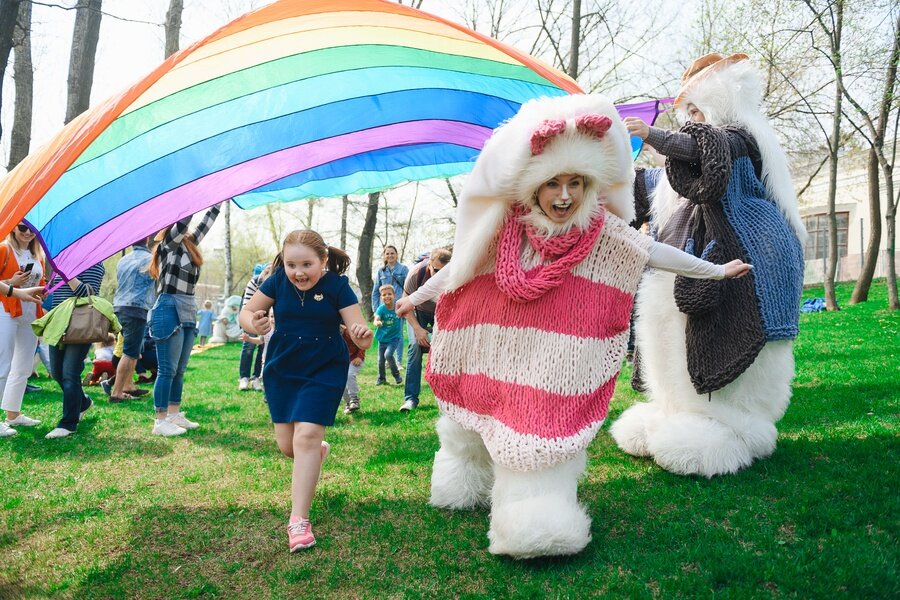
(721, 431)
(524, 381)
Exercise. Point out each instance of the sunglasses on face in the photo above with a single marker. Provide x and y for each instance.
(23, 228)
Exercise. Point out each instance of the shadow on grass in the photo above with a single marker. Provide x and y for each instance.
(85, 445)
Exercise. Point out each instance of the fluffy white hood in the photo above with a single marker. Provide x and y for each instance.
(506, 172)
(733, 95)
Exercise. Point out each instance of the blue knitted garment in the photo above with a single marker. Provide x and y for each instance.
(772, 248)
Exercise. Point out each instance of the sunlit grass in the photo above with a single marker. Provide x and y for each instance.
(114, 512)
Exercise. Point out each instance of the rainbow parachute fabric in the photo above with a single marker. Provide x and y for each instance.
(302, 98)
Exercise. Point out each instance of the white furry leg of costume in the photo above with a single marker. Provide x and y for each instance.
(537, 513)
(686, 432)
(631, 428)
(463, 473)
(726, 431)
(692, 444)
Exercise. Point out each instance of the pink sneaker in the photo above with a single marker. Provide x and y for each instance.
(300, 534)
(326, 450)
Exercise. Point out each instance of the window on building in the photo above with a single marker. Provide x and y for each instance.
(817, 230)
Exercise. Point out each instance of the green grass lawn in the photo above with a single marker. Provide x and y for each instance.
(113, 512)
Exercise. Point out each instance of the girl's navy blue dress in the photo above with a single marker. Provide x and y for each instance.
(307, 359)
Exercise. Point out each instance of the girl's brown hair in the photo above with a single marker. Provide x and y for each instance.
(337, 260)
(187, 241)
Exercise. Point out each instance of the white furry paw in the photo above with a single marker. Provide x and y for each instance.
(541, 526)
(690, 444)
(460, 482)
(630, 430)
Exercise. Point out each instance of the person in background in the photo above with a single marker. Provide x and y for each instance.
(147, 365)
(102, 364)
(67, 360)
(357, 360)
(21, 266)
(389, 334)
(245, 382)
(394, 274)
(134, 297)
(175, 264)
(420, 322)
(205, 322)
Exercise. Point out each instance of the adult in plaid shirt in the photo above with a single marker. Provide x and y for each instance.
(176, 267)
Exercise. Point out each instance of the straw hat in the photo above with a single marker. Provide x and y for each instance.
(702, 68)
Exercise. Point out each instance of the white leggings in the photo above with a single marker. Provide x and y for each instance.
(17, 345)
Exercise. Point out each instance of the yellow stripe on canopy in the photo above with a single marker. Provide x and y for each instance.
(297, 25)
(274, 48)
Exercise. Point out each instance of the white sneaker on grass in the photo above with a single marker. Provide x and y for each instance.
(256, 384)
(244, 384)
(59, 432)
(7, 431)
(179, 419)
(166, 428)
(23, 421)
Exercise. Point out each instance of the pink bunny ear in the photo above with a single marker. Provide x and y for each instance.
(544, 133)
(595, 125)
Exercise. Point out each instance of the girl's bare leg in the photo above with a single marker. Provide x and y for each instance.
(307, 446)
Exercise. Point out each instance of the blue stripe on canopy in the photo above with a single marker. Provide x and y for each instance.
(237, 146)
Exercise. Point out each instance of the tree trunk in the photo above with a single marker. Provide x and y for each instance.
(409, 221)
(387, 221)
(877, 158)
(81, 61)
(891, 219)
(345, 204)
(835, 142)
(9, 9)
(364, 254)
(20, 142)
(229, 274)
(173, 26)
(273, 228)
(575, 45)
(310, 212)
(873, 247)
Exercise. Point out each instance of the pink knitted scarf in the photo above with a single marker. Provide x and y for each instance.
(562, 251)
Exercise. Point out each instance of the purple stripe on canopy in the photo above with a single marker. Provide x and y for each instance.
(647, 111)
(147, 218)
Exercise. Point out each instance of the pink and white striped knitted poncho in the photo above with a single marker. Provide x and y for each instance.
(534, 378)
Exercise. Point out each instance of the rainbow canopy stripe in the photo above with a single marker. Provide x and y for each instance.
(302, 98)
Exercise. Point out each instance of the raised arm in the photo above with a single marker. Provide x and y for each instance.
(32, 294)
(206, 222)
(669, 258)
(430, 290)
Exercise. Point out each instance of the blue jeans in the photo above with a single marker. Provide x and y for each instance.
(66, 364)
(247, 358)
(398, 351)
(386, 351)
(172, 354)
(133, 334)
(414, 359)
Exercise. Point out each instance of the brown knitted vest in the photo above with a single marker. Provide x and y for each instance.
(724, 327)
